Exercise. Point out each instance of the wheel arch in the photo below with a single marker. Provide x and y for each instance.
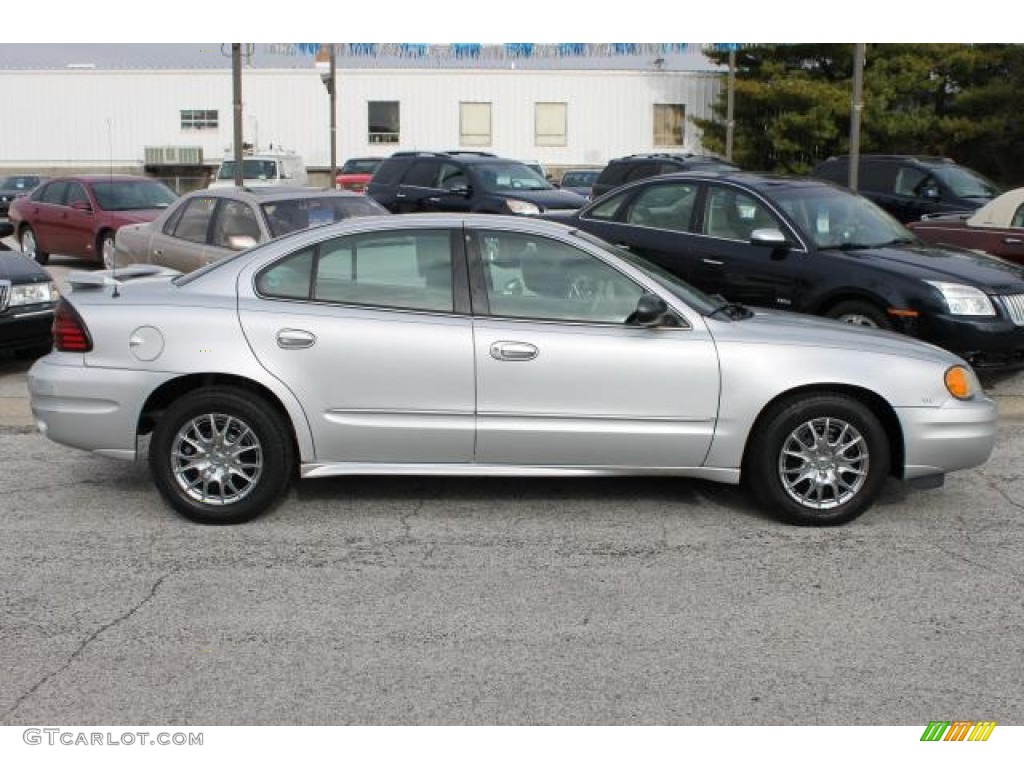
(168, 392)
(878, 405)
(829, 301)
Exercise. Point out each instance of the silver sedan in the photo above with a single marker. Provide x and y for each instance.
(483, 345)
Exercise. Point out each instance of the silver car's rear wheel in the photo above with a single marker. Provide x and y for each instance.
(217, 459)
(817, 459)
(221, 455)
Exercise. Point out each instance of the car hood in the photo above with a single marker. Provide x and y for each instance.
(770, 326)
(18, 268)
(948, 264)
(549, 199)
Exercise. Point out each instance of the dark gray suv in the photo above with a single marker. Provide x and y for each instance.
(912, 186)
(465, 182)
(635, 167)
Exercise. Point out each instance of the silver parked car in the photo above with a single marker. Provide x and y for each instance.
(488, 345)
(204, 226)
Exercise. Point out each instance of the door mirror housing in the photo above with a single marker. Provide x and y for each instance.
(81, 205)
(772, 238)
(651, 311)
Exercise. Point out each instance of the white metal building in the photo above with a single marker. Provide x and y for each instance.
(91, 110)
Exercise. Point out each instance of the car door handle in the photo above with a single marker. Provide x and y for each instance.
(513, 351)
(1012, 241)
(627, 246)
(158, 252)
(293, 338)
(400, 195)
(713, 262)
(434, 199)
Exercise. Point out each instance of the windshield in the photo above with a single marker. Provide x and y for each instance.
(251, 169)
(286, 216)
(503, 177)
(674, 285)
(360, 166)
(132, 195)
(831, 217)
(21, 183)
(964, 182)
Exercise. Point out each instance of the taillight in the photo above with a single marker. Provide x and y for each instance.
(69, 331)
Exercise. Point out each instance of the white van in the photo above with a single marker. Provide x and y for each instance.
(265, 169)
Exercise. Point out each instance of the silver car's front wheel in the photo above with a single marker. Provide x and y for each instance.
(824, 463)
(221, 455)
(817, 459)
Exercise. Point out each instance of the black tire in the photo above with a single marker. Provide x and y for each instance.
(806, 481)
(32, 250)
(105, 240)
(257, 472)
(861, 313)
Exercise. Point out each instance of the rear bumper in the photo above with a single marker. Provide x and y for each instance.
(940, 440)
(93, 409)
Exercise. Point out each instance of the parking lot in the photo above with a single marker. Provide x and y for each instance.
(501, 601)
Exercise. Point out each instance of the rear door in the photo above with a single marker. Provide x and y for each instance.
(420, 186)
(46, 215)
(372, 334)
(76, 233)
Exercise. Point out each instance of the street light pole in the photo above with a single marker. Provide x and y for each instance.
(236, 90)
(855, 113)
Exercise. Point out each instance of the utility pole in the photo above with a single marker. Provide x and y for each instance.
(855, 113)
(730, 119)
(333, 89)
(236, 90)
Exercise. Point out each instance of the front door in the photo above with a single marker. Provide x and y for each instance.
(563, 380)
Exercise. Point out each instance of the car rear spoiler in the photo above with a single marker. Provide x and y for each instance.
(103, 278)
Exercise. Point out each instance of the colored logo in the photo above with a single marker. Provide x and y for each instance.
(958, 730)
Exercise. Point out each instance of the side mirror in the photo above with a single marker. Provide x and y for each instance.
(241, 242)
(651, 311)
(81, 205)
(772, 238)
(930, 193)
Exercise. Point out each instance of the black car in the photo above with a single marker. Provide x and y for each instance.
(465, 182)
(27, 300)
(811, 246)
(16, 186)
(623, 170)
(912, 186)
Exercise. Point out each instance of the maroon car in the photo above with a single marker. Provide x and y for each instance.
(78, 215)
(997, 227)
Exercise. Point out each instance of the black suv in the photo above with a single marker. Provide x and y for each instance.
(623, 170)
(912, 186)
(812, 246)
(464, 182)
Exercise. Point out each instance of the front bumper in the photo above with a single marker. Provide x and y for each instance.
(26, 328)
(95, 409)
(956, 436)
(988, 344)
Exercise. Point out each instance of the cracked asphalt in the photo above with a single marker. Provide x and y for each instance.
(479, 601)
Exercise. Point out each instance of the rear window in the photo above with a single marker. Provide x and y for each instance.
(390, 171)
(361, 165)
(614, 174)
(292, 215)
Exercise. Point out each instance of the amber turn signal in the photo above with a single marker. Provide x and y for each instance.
(958, 382)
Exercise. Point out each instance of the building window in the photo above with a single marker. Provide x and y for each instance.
(669, 120)
(550, 120)
(474, 124)
(383, 122)
(198, 119)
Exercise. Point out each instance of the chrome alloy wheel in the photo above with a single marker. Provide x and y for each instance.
(823, 463)
(107, 252)
(216, 459)
(28, 244)
(855, 318)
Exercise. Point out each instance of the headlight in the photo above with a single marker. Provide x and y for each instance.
(963, 299)
(961, 382)
(34, 293)
(522, 207)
